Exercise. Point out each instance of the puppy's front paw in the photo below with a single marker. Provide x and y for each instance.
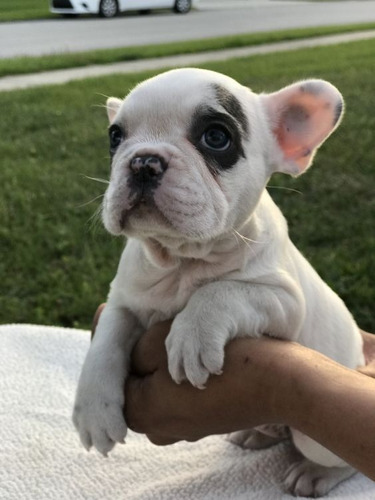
(307, 479)
(98, 415)
(193, 353)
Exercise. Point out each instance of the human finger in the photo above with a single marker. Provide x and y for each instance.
(149, 353)
(161, 440)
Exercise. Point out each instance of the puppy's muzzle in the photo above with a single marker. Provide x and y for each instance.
(146, 172)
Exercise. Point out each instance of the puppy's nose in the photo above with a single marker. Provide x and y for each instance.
(148, 168)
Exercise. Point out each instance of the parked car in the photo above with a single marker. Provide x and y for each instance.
(111, 8)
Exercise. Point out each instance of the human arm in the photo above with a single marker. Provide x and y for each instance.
(264, 381)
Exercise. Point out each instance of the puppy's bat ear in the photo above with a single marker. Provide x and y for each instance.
(113, 104)
(302, 116)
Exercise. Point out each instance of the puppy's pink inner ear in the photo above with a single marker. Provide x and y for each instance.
(302, 116)
(303, 126)
(113, 105)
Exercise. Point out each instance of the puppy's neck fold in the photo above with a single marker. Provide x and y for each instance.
(214, 251)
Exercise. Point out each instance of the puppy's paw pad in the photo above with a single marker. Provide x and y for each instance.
(307, 479)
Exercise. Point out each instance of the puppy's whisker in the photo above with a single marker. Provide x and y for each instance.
(247, 241)
(96, 179)
(94, 221)
(239, 236)
(285, 189)
(102, 95)
(91, 201)
(238, 240)
(101, 106)
(244, 238)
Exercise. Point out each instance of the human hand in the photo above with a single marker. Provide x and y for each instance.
(257, 372)
(244, 396)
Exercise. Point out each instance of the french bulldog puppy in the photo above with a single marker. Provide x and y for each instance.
(192, 151)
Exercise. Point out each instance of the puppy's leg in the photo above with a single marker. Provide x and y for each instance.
(220, 311)
(307, 479)
(317, 472)
(260, 437)
(98, 410)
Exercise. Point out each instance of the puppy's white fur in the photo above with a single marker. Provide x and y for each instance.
(212, 249)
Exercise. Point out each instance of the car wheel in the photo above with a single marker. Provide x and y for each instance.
(108, 8)
(182, 6)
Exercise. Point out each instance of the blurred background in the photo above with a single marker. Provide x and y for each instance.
(56, 260)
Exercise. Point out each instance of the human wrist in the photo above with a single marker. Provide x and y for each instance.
(306, 378)
(287, 365)
(262, 373)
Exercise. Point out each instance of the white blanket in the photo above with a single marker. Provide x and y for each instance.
(41, 457)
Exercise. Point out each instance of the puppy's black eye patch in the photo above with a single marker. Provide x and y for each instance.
(217, 137)
(116, 136)
(232, 105)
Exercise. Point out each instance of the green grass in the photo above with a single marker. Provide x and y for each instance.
(19, 10)
(56, 263)
(22, 65)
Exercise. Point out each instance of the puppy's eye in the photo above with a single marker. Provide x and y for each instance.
(216, 138)
(116, 136)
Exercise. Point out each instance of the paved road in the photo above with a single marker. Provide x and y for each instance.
(214, 18)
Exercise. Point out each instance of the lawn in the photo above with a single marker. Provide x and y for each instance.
(57, 261)
(17, 10)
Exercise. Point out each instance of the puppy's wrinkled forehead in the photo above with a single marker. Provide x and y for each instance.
(177, 97)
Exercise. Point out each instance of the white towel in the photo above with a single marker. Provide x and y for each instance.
(41, 457)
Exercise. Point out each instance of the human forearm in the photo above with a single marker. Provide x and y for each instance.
(333, 405)
(264, 381)
(242, 397)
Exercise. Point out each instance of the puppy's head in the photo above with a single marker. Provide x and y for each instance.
(192, 151)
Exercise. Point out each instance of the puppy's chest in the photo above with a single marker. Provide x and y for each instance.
(159, 295)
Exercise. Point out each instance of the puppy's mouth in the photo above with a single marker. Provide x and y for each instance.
(141, 198)
(142, 213)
